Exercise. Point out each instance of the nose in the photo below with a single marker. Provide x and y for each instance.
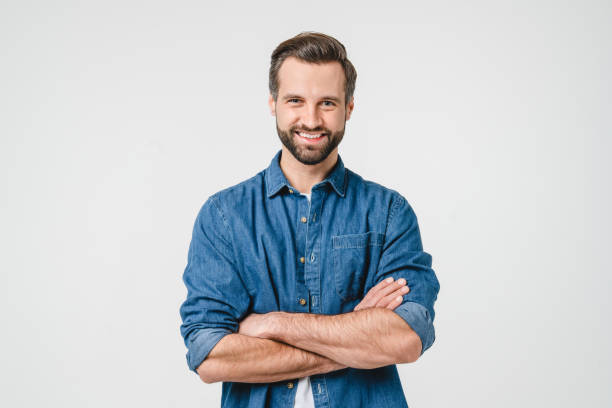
(311, 117)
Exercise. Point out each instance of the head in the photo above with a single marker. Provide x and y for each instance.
(311, 94)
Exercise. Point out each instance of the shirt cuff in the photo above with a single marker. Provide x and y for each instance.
(201, 343)
(417, 316)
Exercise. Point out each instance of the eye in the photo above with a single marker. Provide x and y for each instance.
(328, 103)
(293, 100)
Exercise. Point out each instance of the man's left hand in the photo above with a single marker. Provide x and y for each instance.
(387, 294)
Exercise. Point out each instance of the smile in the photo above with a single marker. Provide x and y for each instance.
(310, 136)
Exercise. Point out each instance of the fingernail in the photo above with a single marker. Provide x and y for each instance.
(405, 289)
(401, 281)
(389, 280)
(399, 298)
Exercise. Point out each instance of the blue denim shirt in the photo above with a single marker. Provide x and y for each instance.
(260, 246)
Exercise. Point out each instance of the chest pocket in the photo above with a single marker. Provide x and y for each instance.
(352, 256)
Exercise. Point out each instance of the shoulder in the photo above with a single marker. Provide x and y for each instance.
(234, 198)
(376, 192)
(248, 187)
(390, 203)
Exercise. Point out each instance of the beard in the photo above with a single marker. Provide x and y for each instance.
(310, 154)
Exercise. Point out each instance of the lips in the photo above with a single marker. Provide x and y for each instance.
(310, 136)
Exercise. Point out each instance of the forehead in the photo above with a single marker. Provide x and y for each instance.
(308, 79)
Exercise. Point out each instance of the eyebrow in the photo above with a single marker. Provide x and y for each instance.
(328, 98)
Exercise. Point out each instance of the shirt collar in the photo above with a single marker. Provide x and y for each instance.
(276, 180)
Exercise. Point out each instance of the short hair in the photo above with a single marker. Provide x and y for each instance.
(315, 48)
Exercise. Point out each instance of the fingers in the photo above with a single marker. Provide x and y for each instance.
(378, 300)
(395, 302)
(387, 290)
(391, 300)
(384, 294)
(369, 300)
(380, 286)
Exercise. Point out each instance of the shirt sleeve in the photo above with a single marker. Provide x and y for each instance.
(403, 257)
(217, 298)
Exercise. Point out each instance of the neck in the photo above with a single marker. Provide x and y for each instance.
(304, 176)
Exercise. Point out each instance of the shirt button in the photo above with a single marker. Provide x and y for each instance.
(302, 301)
(290, 191)
(290, 385)
(303, 219)
(302, 259)
(312, 257)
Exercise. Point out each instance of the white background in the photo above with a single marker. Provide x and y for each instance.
(119, 118)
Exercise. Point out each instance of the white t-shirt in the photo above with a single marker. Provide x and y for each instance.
(303, 394)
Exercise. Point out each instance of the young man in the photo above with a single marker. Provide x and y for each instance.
(306, 283)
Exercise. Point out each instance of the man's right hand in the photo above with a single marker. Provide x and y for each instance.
(387, 294)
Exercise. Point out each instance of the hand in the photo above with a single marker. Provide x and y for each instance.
(256, 325)
(386, 294)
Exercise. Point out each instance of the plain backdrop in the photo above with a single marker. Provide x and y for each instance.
(118, 119)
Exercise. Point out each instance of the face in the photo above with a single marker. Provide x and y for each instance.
(310, 110)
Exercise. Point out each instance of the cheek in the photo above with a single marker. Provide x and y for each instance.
(335, 120)
(286, 118)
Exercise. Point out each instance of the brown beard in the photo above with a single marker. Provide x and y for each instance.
(310, 154)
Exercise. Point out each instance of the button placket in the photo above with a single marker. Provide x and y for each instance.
(312, 250)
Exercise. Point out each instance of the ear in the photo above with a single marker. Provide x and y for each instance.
(349, 108)
(272, 105)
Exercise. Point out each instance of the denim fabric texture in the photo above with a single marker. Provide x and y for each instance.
(260, 247)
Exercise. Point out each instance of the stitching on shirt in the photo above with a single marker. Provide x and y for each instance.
(213, 200)
(398, 200)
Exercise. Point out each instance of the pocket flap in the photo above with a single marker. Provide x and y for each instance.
(371, 238)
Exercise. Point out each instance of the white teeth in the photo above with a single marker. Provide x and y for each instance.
(306, 135)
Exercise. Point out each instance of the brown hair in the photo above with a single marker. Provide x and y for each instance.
(315, 48)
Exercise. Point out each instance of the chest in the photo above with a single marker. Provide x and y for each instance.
(313, 257)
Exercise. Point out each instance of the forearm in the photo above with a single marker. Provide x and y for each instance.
(240, 358)
(367, 338)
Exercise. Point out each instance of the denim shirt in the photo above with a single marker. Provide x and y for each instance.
(260, 247)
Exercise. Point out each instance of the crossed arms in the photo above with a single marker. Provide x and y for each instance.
(277, 346)
(224, 345)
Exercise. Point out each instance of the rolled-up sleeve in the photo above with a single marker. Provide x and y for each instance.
(403, 257)
(217, 298)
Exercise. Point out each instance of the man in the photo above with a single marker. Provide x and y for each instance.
(306, 283)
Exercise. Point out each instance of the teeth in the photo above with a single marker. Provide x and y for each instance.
(306, 135)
